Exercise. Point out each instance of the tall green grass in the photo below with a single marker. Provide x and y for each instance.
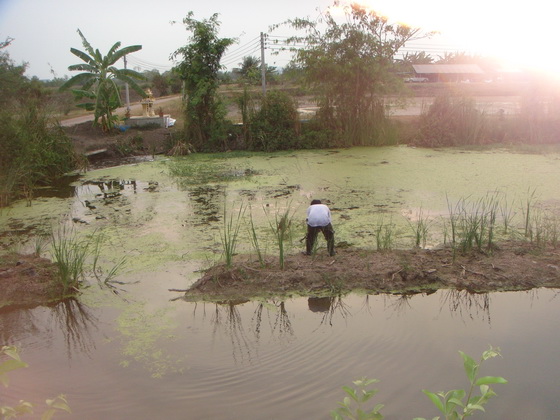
(420, 227)
(70, 254)
(473, 224)
(255, 242)
(384, 235)
(281, 228)
(230, 232)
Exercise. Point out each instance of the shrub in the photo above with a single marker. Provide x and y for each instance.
(276, 125)
(451, 122)
(34, 151)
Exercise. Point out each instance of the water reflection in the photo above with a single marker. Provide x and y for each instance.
(113, 188)
(330, 306)
(468, 304)
(73, 319)
(76, 321)
(60, 188)
(272, 318)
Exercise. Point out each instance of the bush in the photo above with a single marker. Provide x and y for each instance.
(33, 151)
(276, 125)
(452, 122)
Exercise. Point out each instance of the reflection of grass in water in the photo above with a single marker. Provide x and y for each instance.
(142, 336)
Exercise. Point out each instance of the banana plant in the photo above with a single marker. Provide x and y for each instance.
(97, 82)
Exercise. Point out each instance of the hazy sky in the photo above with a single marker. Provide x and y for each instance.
(45, 30)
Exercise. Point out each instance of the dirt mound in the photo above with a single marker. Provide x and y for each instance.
(512, 266)
(31, 280)
(28, 280)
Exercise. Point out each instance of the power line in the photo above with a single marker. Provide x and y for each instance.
(244, 50)
(146, 65)
(251, 42)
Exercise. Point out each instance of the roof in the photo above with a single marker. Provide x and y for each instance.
(447, 69)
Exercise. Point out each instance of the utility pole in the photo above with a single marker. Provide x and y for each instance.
(127, 96)
(263, 65)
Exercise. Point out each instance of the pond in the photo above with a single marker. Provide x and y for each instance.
(135, 349)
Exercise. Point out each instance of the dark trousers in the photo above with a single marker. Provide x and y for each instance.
(313, 231)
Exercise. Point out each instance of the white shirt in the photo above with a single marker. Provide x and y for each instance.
(318, 215)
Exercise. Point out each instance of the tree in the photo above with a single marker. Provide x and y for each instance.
(350, 66)
(12, 80)
(275, 126)
(158, 81)
(199, 68)
(98, 80)
(250, 69)
(404, 64)
(456, 58)
(33, 148)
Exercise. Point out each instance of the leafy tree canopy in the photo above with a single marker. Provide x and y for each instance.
(349, 61)
(199, 69)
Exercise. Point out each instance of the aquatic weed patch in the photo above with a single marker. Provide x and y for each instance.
(205, 170)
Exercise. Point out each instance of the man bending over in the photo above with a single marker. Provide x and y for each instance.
(319, 220)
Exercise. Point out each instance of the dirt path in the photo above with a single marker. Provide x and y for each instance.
(135, 109)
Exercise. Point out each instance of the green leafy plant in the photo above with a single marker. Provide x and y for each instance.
(349, 64)
(276, 125)
(97, 80)
(456, 404)
(198, 67)
(14, 362)
(453, 404)
(352, 405)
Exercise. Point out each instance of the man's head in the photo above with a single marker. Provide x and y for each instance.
(315, 202)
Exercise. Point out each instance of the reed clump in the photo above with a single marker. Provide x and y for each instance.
(230, 232)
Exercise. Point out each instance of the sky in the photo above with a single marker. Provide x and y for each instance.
(521, 33)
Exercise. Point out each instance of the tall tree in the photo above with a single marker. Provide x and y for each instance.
(199, 68)
(98, 80)
(349, 62)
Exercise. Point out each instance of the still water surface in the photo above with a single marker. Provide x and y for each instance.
(287, 359)
(140, 351)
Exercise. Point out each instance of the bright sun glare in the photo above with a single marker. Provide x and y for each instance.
(520, 34)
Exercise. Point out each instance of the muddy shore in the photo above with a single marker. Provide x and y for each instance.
(511, 266)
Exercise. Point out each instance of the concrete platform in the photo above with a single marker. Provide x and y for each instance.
(148, 121)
